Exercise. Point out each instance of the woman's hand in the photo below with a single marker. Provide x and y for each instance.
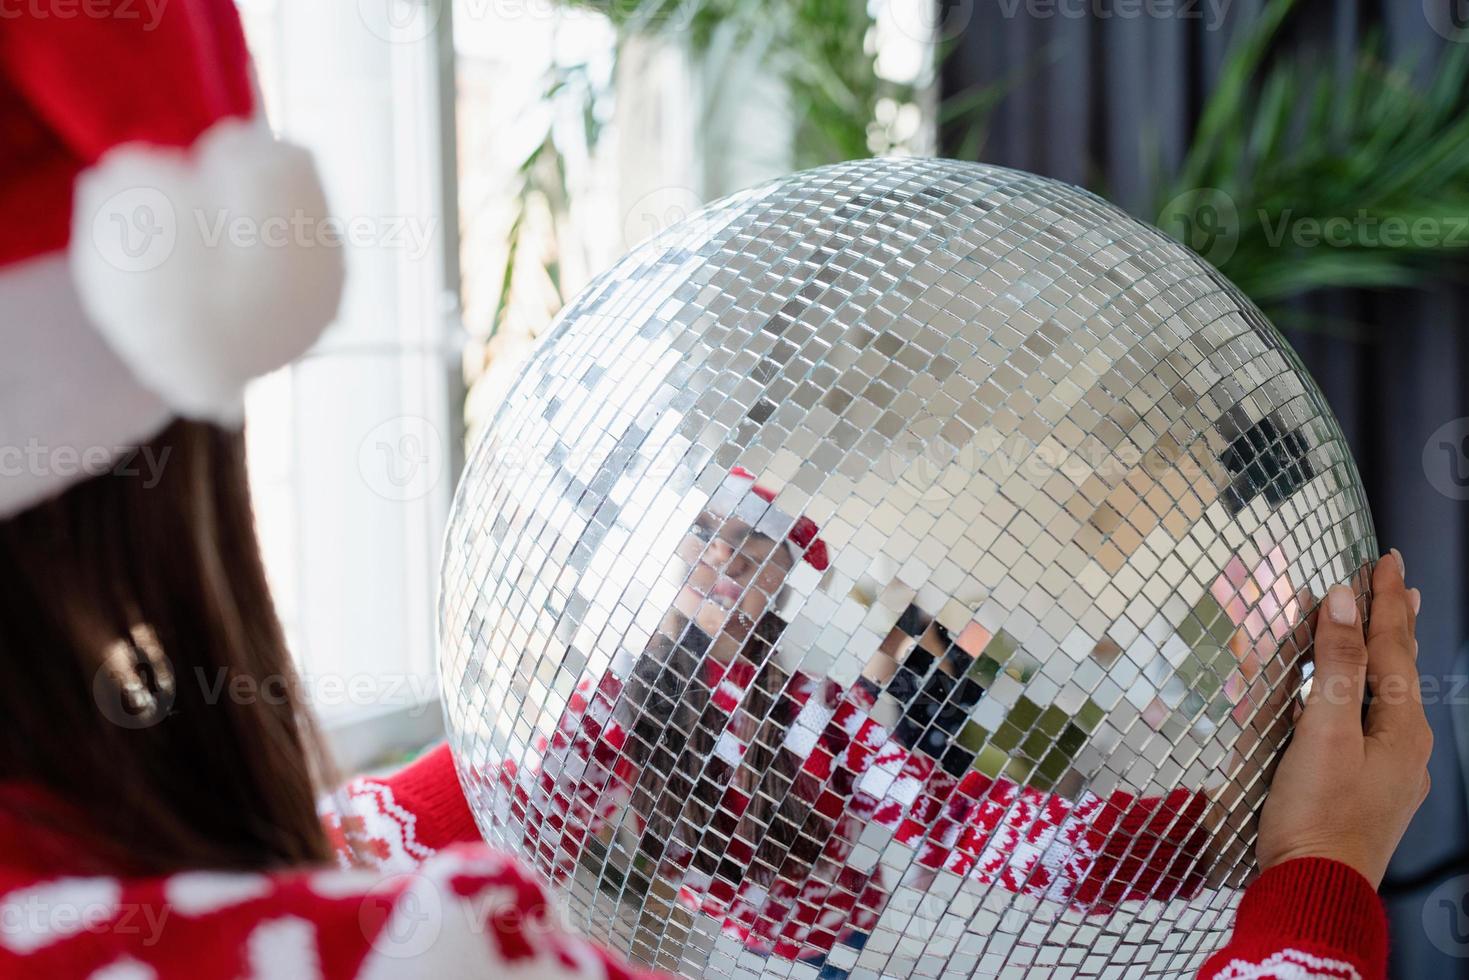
(1350, 781)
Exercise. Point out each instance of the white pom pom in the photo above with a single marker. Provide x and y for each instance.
(206, 268)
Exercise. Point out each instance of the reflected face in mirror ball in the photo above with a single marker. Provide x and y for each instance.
(899, 568)
(735, 573)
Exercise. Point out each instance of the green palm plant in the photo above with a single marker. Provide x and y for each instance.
(541, 180)
(1299, 177)
(1302, 177)
(821, 50)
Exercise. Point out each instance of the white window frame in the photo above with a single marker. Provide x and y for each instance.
(356, 448)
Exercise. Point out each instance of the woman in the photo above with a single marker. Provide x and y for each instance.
(152, 823)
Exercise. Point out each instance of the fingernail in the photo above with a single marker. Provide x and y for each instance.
(1402, 566)
(1416, 598)
(1341, 606)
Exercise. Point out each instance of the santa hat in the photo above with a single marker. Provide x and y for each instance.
(152, 258)
(802, 536)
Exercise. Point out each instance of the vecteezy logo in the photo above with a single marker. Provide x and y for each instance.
(402, 459)
(400, 21)
(131, 691)
(1206, 220)
(401, 915)
(927, 21)
(1448, 18)
(1446, 459)
(135, 230)
(656, 212)
(1446, 917)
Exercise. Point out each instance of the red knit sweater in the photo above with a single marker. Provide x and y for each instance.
(441, 904)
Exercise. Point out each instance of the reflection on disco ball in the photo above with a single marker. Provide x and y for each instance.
(899, 568)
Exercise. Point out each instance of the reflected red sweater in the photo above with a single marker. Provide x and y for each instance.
(1091, 854)
(441, 904)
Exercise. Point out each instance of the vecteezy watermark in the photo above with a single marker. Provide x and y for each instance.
(402, 459)
(1363, 230)
(1448, 18)
(926, 463)
(1211, 12)
(135, 685)
(401, 21)
(31, 917)
(124, 698)
(136, 230)
(402, 915)
(921, 458)
(413, 235)
(42, 460)
(147, 13)
(1451, 690)
(1206, 220)
(659, 210)
(413, 21)
(1446, 459)
(1446, 917)
(385, 689)
(928, 21)
(139, 229)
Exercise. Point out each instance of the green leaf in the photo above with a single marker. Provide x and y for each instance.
(1362, 149)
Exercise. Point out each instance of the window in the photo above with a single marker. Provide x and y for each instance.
(426, 117)
(354, 449)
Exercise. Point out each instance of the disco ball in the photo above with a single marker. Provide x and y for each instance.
(896, 569)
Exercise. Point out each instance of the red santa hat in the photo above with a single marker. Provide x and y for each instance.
(132, 152)
(803, 534)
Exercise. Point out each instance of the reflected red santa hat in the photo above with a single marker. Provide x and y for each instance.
(132, 149)
(803, 533)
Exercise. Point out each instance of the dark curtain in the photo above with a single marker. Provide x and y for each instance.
(1106, 101)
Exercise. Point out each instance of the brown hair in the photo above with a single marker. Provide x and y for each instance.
(128, 605)
(681, 785)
